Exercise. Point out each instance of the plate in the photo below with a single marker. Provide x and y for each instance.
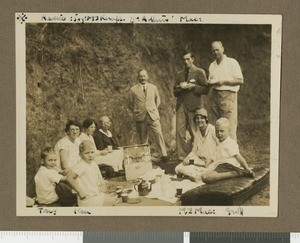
(134, 200)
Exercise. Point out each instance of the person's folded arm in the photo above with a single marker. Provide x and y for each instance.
(71, 177)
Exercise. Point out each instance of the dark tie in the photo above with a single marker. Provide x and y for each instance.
(144, 89)
(186, 75)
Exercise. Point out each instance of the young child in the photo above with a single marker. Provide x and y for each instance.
(228, 162)
(47, 178)
(86, 179)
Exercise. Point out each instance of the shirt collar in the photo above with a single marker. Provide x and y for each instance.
(226, 139)
(205, 132)
(42, 167)
(143, 85)
(224, 59)
(108, 133)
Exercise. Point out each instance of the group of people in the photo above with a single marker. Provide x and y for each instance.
(74, 165)
(210, 147)
(224, 79)
(214, 154)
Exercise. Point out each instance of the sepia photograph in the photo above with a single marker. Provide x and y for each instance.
(147, 114)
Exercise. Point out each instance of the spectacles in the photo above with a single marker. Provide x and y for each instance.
(74, 129)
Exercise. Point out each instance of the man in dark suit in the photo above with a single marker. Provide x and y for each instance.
(144, 102)
(190, 84)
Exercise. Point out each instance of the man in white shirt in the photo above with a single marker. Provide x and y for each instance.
(225, 77)
(144, 102)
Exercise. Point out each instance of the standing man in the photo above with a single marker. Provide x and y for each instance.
(144, 102)
(191, 83)
(225, 76)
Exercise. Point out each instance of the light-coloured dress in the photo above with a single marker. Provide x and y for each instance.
(113, 159)
(88, 179)
(72, 150)
(203, 146)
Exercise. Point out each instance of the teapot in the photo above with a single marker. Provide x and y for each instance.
(142, 188)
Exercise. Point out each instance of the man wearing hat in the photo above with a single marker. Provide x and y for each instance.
(204, 146)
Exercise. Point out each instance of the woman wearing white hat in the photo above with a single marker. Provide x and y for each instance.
(205, 142)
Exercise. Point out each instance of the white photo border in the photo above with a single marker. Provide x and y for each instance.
(215, 211)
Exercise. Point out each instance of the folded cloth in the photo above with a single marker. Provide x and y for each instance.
(113, 159)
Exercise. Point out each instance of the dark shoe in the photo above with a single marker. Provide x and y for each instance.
(245, 173)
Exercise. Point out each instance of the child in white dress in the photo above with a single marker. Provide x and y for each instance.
(86, 179)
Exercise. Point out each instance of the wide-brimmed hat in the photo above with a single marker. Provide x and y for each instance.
(200, 112)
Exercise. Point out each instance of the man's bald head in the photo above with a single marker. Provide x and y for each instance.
(218, 50)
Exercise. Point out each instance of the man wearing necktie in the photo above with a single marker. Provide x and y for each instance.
(190, 84)
(144, 102)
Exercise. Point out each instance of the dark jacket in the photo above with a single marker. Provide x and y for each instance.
(191, 98)
(102, 141)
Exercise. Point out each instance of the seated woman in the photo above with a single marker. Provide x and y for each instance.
(68, 147)
(103, 137)
(88, 129)
(105, 140)
(204, 146)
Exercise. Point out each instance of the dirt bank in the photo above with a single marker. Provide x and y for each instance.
(85, 70)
